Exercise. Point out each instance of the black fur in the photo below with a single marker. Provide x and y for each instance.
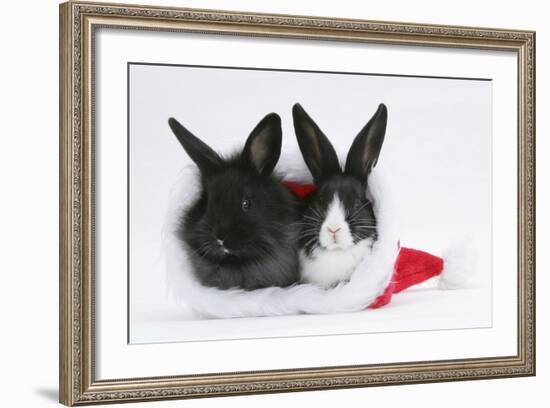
(350, 185)
(244, 205)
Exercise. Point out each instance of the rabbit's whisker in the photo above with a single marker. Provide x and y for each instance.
(312, 218)
(310, 242)
(309, 228)
(318, 212)
(359, 222)
(201, 249)
(359, 209)
(307, 237)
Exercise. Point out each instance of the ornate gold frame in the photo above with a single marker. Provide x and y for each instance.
(78, 21)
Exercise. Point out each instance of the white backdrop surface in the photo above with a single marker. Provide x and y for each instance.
(29, 222)
(436, 157)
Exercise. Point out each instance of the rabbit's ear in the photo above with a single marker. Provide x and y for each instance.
(263, 147)
(204, 157)
(365, 149)
(318, 153)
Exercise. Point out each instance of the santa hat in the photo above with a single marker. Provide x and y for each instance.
(411, 267)
(386, 268)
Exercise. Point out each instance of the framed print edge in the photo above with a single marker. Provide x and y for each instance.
(77, 382)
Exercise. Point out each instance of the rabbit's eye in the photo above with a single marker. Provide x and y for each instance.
(246, 204)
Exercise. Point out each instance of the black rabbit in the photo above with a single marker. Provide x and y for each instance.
(242, 230)
(339, 224)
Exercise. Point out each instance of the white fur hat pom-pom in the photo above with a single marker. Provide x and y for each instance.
(459, 264)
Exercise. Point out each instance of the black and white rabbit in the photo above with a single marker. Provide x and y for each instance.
(338, 224)
(242, 230)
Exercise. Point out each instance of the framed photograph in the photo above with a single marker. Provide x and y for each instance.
(256, 203)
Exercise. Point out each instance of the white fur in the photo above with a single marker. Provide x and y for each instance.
(327, 267)
(459, 265)
(335, 233)
(366, 282)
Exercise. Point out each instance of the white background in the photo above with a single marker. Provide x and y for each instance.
(437, 155)
(29, 207)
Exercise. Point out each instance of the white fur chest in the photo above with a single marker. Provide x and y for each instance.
(328, 267)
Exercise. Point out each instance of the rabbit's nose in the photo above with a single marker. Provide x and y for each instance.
(220, 243)
(334, 230)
